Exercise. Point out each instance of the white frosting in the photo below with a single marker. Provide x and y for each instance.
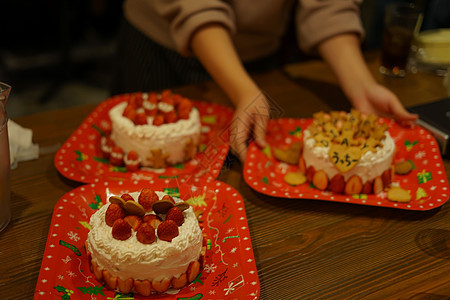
(170, 138)
(132, 259)
(369, 166)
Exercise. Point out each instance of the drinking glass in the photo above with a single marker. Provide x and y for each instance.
(400, 22)
(5, 211)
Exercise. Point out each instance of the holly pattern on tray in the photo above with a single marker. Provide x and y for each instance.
(426, 183)
(229, 268)
(80, 157)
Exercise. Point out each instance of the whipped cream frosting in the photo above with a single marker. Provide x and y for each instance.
(132, 259)
(369, 166)
(170, 138)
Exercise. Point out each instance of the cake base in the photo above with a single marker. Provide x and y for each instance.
(146, 287)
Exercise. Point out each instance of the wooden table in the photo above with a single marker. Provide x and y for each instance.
(303, 248)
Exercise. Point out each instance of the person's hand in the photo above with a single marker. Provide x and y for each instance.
(249, 123)
(377, 99)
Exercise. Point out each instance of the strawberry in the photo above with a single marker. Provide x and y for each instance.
(146, 234)
(116, 156)
(132, 161)
(152, 98)
(175, 214)
(184, 105)
(130, 112)
(169, 198)
(153, 220)
(134, 221)
(167, 230)
(121, 230)
(146, 198)
(177, 98)
(113, 213)
(184, 113)
(127, 197)
(140, 119)
(170, 117)
(310, 171)
(158, 120)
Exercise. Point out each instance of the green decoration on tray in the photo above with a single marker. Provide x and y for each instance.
(118, 169)
(101, 159)
(197, 200)
(179, 166)
(168, 177)
(92, 290)
(211, 119)
(229, 217)
(172, 191)
(102, 133)
(424, 176)
(97, 204)
(66, 292)
(81, 156)
(197, 279)
(410, 145)
(85, 225)
(297, 132)
(265, 180)
(123, 296)
(70, 246)
(196, 297)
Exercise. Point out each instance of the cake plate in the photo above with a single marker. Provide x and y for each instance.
(427, 182)
(80, 158)
(229, 269)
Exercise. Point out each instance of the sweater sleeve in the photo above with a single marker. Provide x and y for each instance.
(184, 17)
(318, 20)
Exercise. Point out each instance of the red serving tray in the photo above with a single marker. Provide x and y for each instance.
(427, 182)
(229, 271)
(80, 158)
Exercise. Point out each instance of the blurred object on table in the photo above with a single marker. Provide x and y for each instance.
(431, 50)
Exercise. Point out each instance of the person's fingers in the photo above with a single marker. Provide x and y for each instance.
(259, 130)
(238, 138)
(400, 113)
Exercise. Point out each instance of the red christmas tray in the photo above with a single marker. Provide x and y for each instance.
(229, 270)
(80, 158)
(427, 182)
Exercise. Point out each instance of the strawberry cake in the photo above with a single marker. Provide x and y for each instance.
(348, 153)
(152, 130)
(145, 242)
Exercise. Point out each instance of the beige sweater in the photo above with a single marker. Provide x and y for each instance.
(256, 25)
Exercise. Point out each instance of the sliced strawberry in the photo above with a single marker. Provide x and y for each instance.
(184, 108)
(127, 197)
(121, 230)
(140, 119)
(134, 221)
(113, 213)
(146, 198)
(153, 220)
(175, 214)
(146, 234)
(337, 184)
(158, 120)
(183, 114)
(167, 230)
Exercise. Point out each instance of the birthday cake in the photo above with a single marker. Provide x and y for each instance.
(348, 153)
(152, 130)
(145, 242)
